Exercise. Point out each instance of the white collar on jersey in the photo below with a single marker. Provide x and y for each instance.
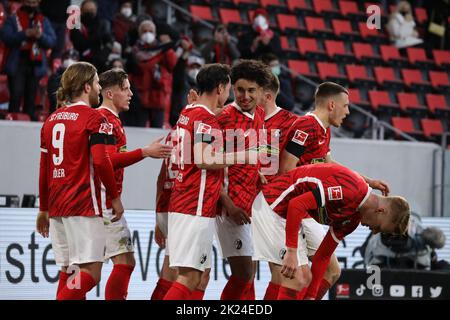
(366, 197)
(106, 108)
(317, 119)
(245, 113)
(277, 109)
(191, 106)
(77, 103)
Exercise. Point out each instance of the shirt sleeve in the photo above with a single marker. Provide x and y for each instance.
(298, 138)
(43, 177)
(206, 130)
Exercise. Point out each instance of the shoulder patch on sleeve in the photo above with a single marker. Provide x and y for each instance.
(335, 193)
(300, 137)
(204, 128)
(106, 128)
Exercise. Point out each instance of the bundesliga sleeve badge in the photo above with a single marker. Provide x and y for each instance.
(106, 128)
(300, 137)
(204, 128)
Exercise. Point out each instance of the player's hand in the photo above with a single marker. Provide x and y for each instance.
(192, 96)
(380, 185)
(117, 208)
(157, 150)
(290, 263)
(42, 223)
(238, 215)
(159, 238)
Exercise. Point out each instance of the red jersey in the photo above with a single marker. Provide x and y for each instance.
(309, 140)
(277, 125)
(241, 180)
(196, 191)
(65, 137)
(171, 172)
(339, 192)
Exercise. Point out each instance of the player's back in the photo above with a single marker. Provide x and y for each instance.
(65, 136)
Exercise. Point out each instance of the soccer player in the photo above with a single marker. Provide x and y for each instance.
(333, 195)
(242, 122)
(308, 143)
(192, 205)
(116, 95)
(73, 155)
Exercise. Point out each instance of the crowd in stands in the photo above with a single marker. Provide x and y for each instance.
(163, 52)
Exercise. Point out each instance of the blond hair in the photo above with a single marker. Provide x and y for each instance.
(73, 81)
(400, 213)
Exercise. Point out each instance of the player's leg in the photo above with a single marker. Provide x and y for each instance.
(332, 275)
(274, 284)
(240, 280)
(60, 250)
(199, 292)
(119, 248)
(291, 288)
(86, 241)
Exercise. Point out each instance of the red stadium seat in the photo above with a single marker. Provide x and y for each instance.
(316, 24)
(298, 5)
(436, 102)
(288, 21)
(413, 77)
(323, 6)
(369, 33)
(431, 127)
(357, 73)
(439, 79)
(343, 28)
(417, 55)
(381, 99)
(364, 51)
(309, 45)
(355, 97)
(386, 76)
(390, 53)
(349, 8)
(274, 4)
(336, 49)
(329, 71)
(409, 101)
(441, 57)
(301, 67)
(230, 16)
(202, 12)
(17, 116)
(406, 125)
(285, 45)
(421, 15)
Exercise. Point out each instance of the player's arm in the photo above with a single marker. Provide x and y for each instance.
(297, 209)
(211, 160)
(294, 149)
(236, 214)
(373, 183)
(160, 181)
(42, 222)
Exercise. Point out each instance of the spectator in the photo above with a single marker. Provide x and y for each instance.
(55, 11)
(285, 98)
(220, 49)
(260, 39)
(401, 27)
(151, 65)
(123, 22)
(185, 78)
(94, 40)
(27, 34)
(68, 58)
(107, 9)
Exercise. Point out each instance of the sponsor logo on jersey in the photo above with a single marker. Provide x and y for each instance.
(318, 160)
(123, 149)
(106, 128)
(335, 193)
(204, 128)
(300, 137)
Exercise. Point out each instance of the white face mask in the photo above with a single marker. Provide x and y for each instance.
(68, 62)
(261, 22)
(193, 73)
(148, 37)
(126, 12)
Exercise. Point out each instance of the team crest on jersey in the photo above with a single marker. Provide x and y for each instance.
(238, 244)
(106, 128)
(282, 253)
(300, 137)
(203, 258)
(204, 128)
(335, 193)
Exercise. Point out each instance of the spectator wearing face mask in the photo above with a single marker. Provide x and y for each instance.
(94, 40)
(261, 39)
(285, 98)
(402, 27)
(55, 11)
(27, 34)
(151, 65)
(123, 22)
(68, 58)
(220, 49)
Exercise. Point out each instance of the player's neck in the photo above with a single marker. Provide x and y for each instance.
(270, 108)
(323, 116)
(110, 105)
(208, 101)
(83, 98)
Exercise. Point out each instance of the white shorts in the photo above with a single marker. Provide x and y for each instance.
(233, 240)
(269, 234)
(314, 234)
(77, 240)
(162, 221)
(190, 240)
(118, 235)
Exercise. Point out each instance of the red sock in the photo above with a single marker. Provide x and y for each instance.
(86, 284)
(178, 291)
(323, 288)
(272, 291)
(302, 293)
(197, 294)
(161, 289)
(63, 276)
(250, 291)
(117, 285)
(235, 289)
(287, 294)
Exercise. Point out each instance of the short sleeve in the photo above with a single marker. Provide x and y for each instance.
(207, 130)
(299, 137)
